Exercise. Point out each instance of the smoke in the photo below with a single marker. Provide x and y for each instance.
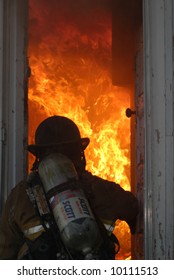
(88, 15)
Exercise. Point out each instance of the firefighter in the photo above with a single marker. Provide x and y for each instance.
(22, 231)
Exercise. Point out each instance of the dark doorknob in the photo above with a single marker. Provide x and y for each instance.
(129, 112)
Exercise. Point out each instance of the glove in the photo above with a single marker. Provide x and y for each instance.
(132, 224)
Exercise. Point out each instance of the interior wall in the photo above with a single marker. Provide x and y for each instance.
(127, 61)
(126, 20)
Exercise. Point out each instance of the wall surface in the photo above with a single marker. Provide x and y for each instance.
(139, 147)
(13, 89)
(159, 128)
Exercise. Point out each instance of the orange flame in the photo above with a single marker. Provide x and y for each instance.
(71, 77)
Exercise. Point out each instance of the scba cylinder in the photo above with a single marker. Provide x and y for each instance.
(74, 218)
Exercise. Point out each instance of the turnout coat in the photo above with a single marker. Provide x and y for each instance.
(19, 219)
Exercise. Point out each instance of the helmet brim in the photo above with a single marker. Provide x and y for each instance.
(37, 149)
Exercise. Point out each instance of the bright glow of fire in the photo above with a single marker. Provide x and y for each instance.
(70, 76)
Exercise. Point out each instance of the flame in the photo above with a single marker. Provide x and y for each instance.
(71, 77)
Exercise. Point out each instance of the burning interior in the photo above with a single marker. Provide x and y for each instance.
(73, 74)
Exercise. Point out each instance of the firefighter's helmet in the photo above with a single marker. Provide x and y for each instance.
(56, 131)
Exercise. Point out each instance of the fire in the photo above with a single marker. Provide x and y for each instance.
(70, 76)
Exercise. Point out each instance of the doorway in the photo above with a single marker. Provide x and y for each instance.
(82, 66)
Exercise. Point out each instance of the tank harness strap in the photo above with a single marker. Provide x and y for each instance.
(38, 199)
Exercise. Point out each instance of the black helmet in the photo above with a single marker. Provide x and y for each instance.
(56, 131)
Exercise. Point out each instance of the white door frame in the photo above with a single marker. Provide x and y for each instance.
(13, 93)
(159, 128)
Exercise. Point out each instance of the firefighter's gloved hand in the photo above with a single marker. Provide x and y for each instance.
(132, 224)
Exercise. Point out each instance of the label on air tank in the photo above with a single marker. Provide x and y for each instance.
(70, 208)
